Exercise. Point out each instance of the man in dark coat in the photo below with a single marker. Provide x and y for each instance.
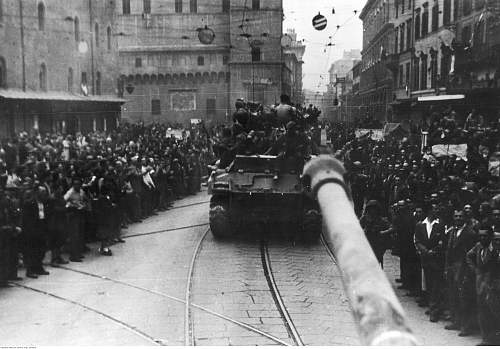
(376, 229)
(461, 238)
(404, 224)
(35, 230)
(9, 231)
(430, 242)
(484, 259)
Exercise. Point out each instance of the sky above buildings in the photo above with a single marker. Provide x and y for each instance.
(319, 56)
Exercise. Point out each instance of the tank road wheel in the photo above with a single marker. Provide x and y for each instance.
(312, 225)
(219, 218)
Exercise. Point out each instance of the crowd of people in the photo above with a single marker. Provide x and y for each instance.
(60, 192)
(440, 213)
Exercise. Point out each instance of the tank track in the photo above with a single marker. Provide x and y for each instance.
(220, 223)
(312, 225)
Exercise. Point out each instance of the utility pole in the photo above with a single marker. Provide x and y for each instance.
(92, 38)
(23, 55)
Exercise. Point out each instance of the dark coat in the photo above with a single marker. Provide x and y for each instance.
(31, 223)
(431, 249)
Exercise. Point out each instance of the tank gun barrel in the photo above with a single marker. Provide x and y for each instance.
(376, 309)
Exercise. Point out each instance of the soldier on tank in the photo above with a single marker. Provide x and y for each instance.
(284, 111)
(294, 144)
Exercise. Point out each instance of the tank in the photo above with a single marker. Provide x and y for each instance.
(260, 193)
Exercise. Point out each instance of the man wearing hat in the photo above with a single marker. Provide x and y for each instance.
(461, 239)
(9, 231)
(430, 242)
(404, 224)
(484, 259)
(376, 229)
(35, 230)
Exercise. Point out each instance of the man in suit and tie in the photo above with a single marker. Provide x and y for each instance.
(461, 238)
(430, 244)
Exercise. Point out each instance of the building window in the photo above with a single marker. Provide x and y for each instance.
(225, 60)
(255, 5)
(193, 6)
(407, 80)
(396, 10)
(402, 40)
(408, 33)
(146, 6)
(225, 6)
(423, 78)
(77, 29)
(456, 5)
(138, 62)
(70, 80)
(3, 72)
(98, 83)
(211, 106)
(466, 35)
(126, 7)
(42, 77)
(178, 6)
(396, 40)
(445, 66)
(416, 73)
(435, 17)
(96, 34)
(256, 54)
(466, 7)
(401, 75)
(108, 38)
(155, 107)
(417, 25)
(447, 12)
(434, 69)
(83, 83)
(201, 60)
(425, 22)
(1, 10)
(402, 6)
(41, 16)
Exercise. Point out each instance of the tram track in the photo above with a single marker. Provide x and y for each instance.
(304, 281)
(280, 304)
(188, 305)
(113, 319)
(156, 232)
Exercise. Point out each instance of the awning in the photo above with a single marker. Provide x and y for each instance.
(57, 96)
(440, 98)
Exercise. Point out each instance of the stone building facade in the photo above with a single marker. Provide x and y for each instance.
(376, 83)
(439, 53)
(170, 76)
(58, 66)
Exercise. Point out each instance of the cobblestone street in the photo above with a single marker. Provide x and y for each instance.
(137, 297)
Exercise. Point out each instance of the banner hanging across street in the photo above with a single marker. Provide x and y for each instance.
(460, 150)
(375, 134)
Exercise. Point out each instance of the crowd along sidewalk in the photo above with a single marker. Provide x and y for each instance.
(427, 333)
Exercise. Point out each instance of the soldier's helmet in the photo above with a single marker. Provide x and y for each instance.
(241, 116)
(285, 113)
(240, 103)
